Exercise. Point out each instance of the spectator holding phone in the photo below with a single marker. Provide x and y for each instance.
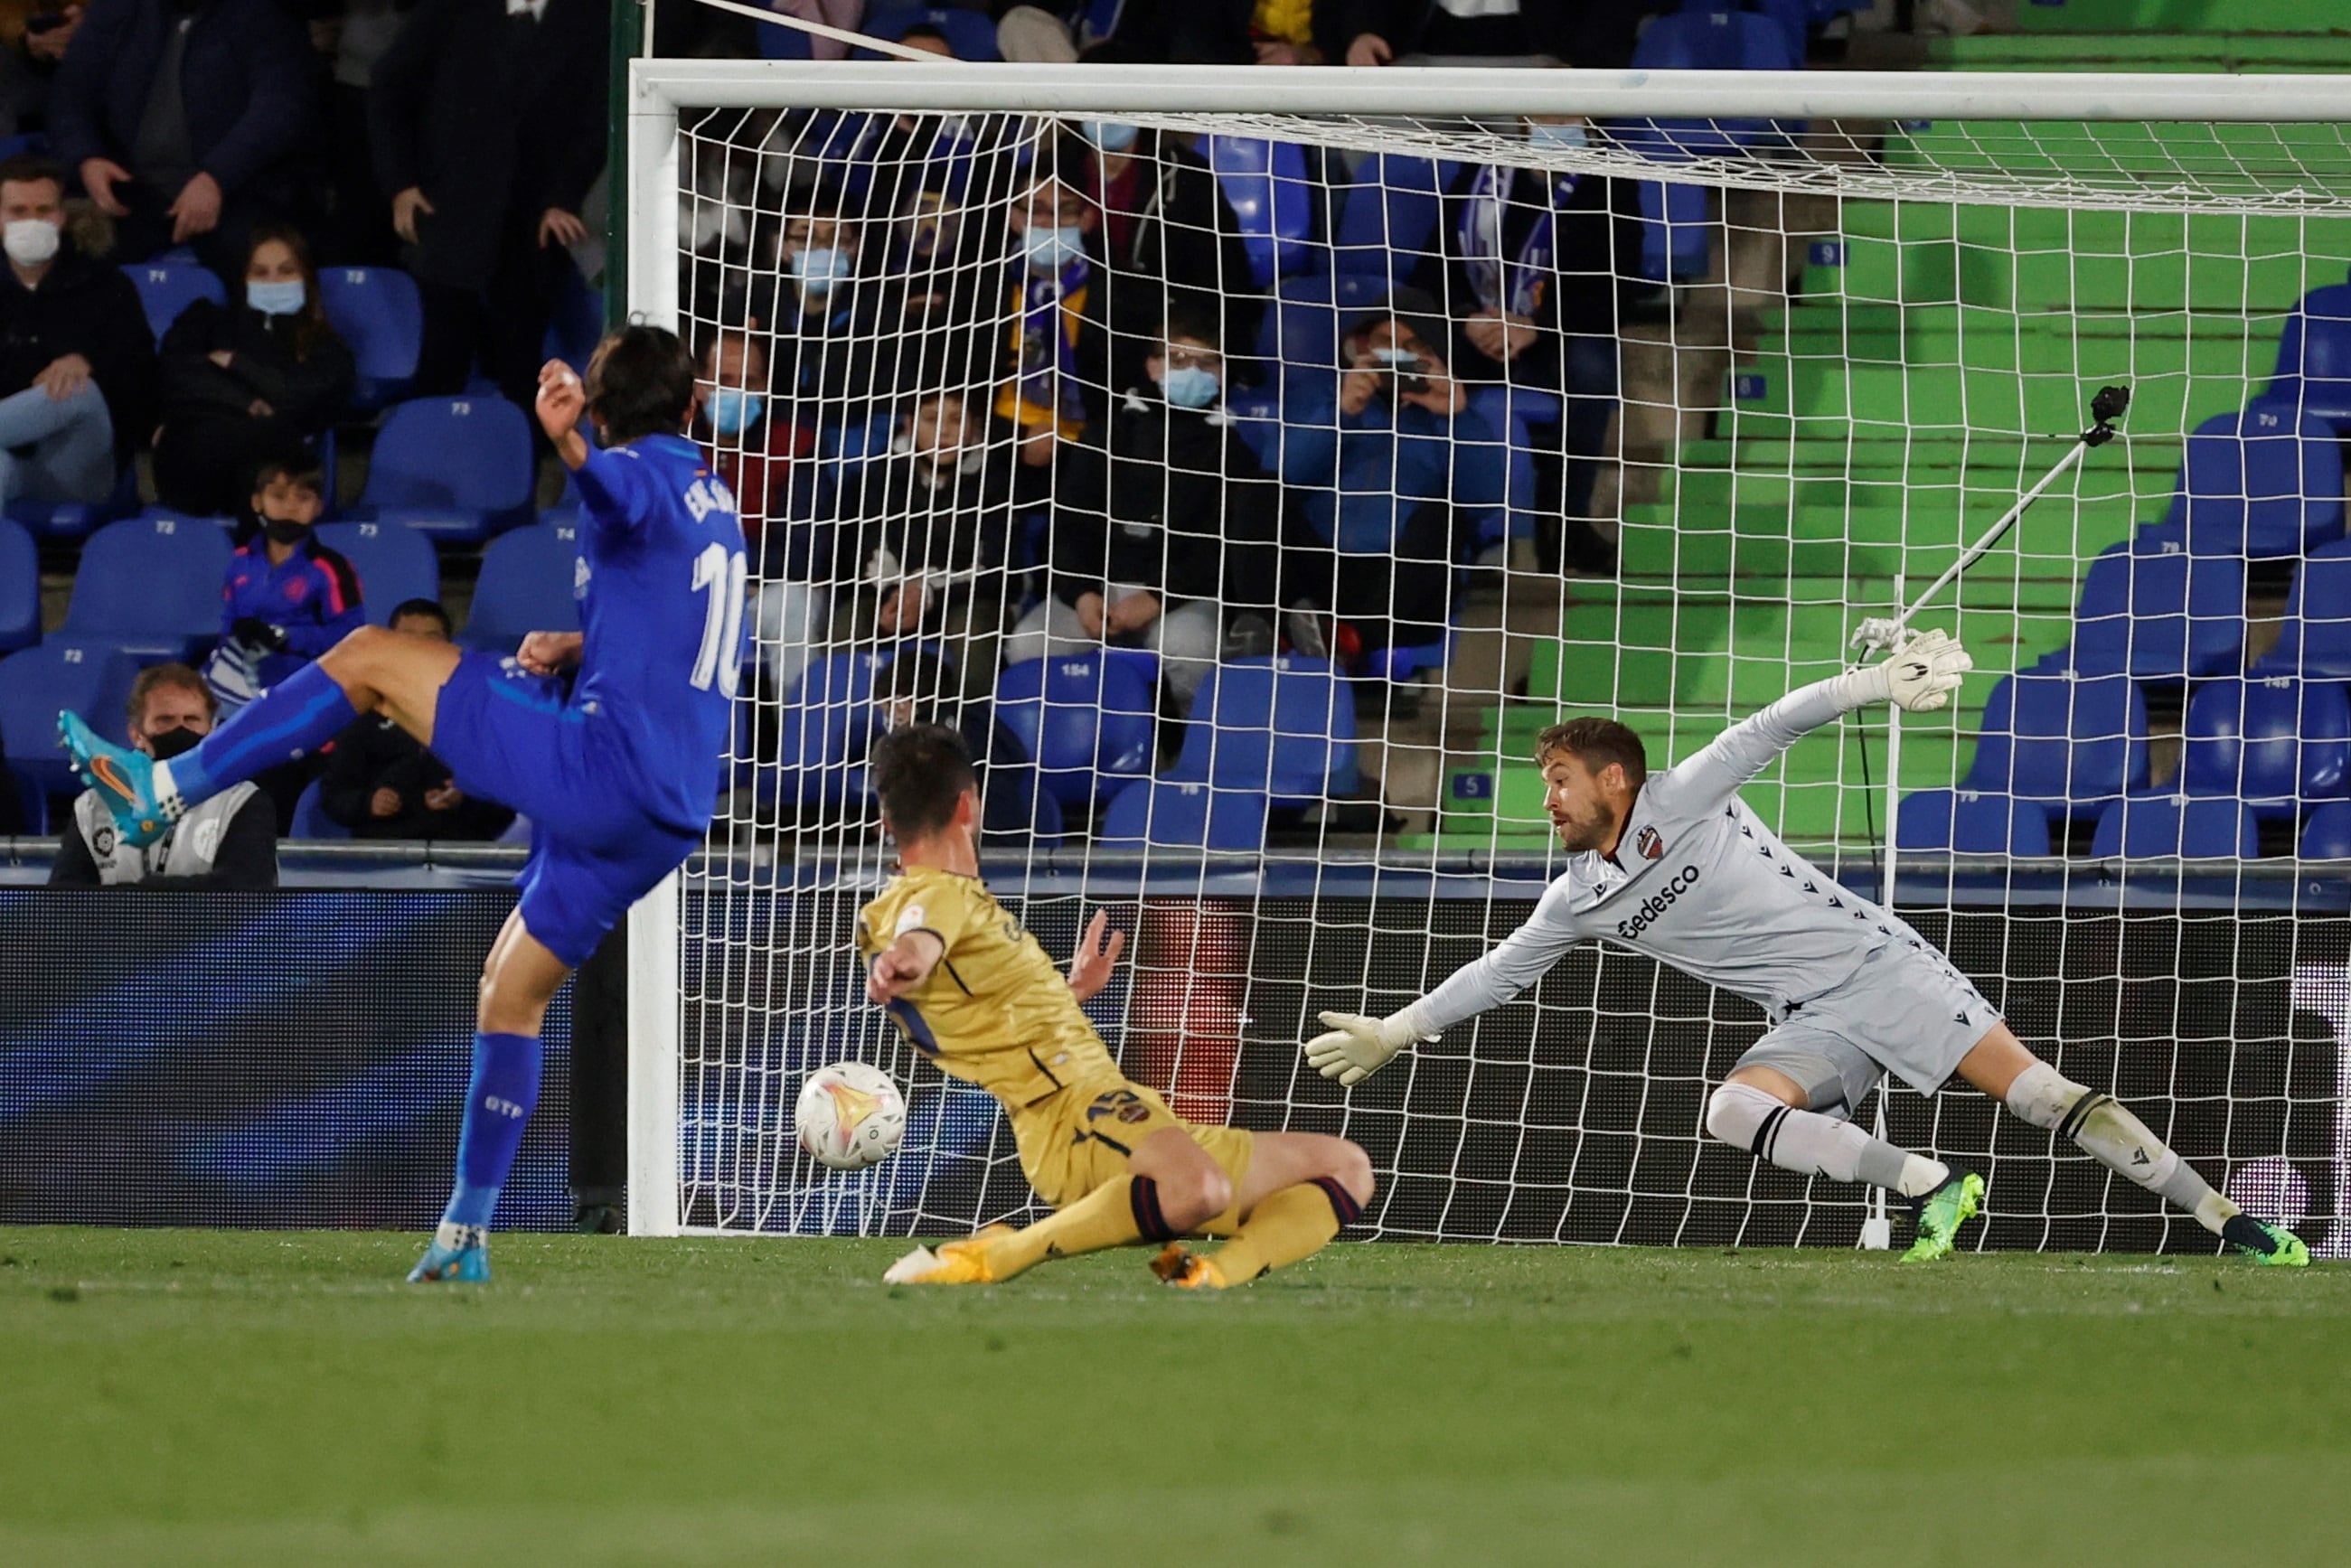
(382, 783)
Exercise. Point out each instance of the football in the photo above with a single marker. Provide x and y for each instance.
(849, 1115)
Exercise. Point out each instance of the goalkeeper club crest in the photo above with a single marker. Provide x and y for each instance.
(1647, 844)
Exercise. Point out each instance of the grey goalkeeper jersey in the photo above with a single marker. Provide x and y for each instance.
(1700, 883)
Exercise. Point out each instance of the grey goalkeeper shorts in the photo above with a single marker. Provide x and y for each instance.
(1904, 1011)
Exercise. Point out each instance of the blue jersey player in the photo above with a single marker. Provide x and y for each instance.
(617, 777)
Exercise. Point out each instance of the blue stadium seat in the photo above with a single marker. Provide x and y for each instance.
(1266, 184)
(2144, 826)
(2313, 360)
(2068, 740)
(1164, 813)
(1088, 721)
(969, 33)
(150, 586)
(1301, 326)
(2266, 484)
(526, 585)
(310, 818)
(1706, 35)
(2152, 610)
(166, 288)
(456, 468)
(377, 312)
(2271, 741)
(1284, 725)
(20, 587)
(72, 519)
(2314, 641)
(1793, 19)
(2328, 835)
(393, 563)
(1970, 824)
(577, 323)
(91, 679)
(1388, 216)
(829, 722)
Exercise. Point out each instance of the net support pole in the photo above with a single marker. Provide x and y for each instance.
(650, 197)
(1877, 1229)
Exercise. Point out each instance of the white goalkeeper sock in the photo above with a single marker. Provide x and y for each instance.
(2105, 1130)
(1809, 1144)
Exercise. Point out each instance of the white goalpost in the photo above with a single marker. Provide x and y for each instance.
(1524, 393)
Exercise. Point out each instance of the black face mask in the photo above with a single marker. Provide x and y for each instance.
(284, 533)
(173, 743)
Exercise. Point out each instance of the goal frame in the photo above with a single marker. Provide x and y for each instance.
(658, 89)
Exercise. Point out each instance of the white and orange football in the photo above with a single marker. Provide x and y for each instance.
(849, 1115)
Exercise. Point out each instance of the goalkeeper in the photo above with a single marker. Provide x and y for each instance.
(979, 997)
(1676, 866)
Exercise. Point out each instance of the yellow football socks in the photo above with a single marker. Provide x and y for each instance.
(1294, 1223)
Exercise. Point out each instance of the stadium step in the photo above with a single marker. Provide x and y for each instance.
(2205, 51)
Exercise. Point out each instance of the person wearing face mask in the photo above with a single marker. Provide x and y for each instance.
(1539, 267)
(288, 598)
(757, 448)
(75, 351)
(229, 841)
(247, 380)
(1169, 534)
(1057, 362)
(815, 307)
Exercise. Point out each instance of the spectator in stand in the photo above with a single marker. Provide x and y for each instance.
(488, 126)
(1536, 270)
(288, 598)
(924, 532)
(758, 449)
(846, 15)
(74, 344)
(814, 306)
(188, 121)
(1057, 371)
(1455, 32)
(382, 783)
(1221, 32)
(229, 841)
(360, 233)
(1158, 538)
(242, 383)
(33, 38)
(1390, 463)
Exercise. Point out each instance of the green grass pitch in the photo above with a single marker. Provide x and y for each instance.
(202, 1397)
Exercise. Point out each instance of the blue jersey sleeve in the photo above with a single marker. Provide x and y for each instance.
(618, 493)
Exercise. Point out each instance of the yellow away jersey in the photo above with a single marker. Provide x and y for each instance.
(996, 1011)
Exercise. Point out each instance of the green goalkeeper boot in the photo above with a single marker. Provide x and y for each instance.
(1941, 1213)
(2273, 1246)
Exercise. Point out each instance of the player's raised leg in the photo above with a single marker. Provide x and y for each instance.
(1302, 1190)
(518, 981)
(371, 671)
(2106, 1129)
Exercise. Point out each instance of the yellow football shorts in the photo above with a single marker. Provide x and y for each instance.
(1074, 1141)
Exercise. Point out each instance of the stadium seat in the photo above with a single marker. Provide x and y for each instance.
(969, 33)
(829, 722)
(1266, 184)
(2271, 741)
(2146, 827)
(1284, 725)
(20, 587)
(2068, 740)
(1088, 721)
(150, 586)
(62, 674)
(577, 324)
(2328, 835)
(1706, 35)
(166, 288)
(2151, 611)
(528, 584)
(377, 312)
(310, 818)
(1301, 326)
(2314, 641)
(456, 468)
(73, 519)
(1793, 19)
(1160, 812)
(394, 564)
(1388, 216)
(2264, 484)
(2314, 362)
(1970, 824)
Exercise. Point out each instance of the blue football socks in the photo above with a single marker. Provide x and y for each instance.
(497, 1107)
(291, 719)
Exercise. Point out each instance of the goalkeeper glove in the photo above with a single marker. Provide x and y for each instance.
(1924, 670)
(1358, 1047)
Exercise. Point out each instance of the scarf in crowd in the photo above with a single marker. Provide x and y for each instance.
(1045, 350)
(1515, 283)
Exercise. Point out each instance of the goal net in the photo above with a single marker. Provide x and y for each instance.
(1250, 485)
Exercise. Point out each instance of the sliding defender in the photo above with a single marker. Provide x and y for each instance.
(1677, 867)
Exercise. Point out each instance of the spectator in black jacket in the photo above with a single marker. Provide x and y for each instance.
(1156, 538)
(382, 783)
(488, 124)
(229, 841)
(75, 352)
(246, 381)
(33, 38)
(185, 118)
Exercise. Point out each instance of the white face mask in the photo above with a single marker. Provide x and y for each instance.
(29, 241)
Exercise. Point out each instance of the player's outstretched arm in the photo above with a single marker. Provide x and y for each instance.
(1920, 676)
(902, 965)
